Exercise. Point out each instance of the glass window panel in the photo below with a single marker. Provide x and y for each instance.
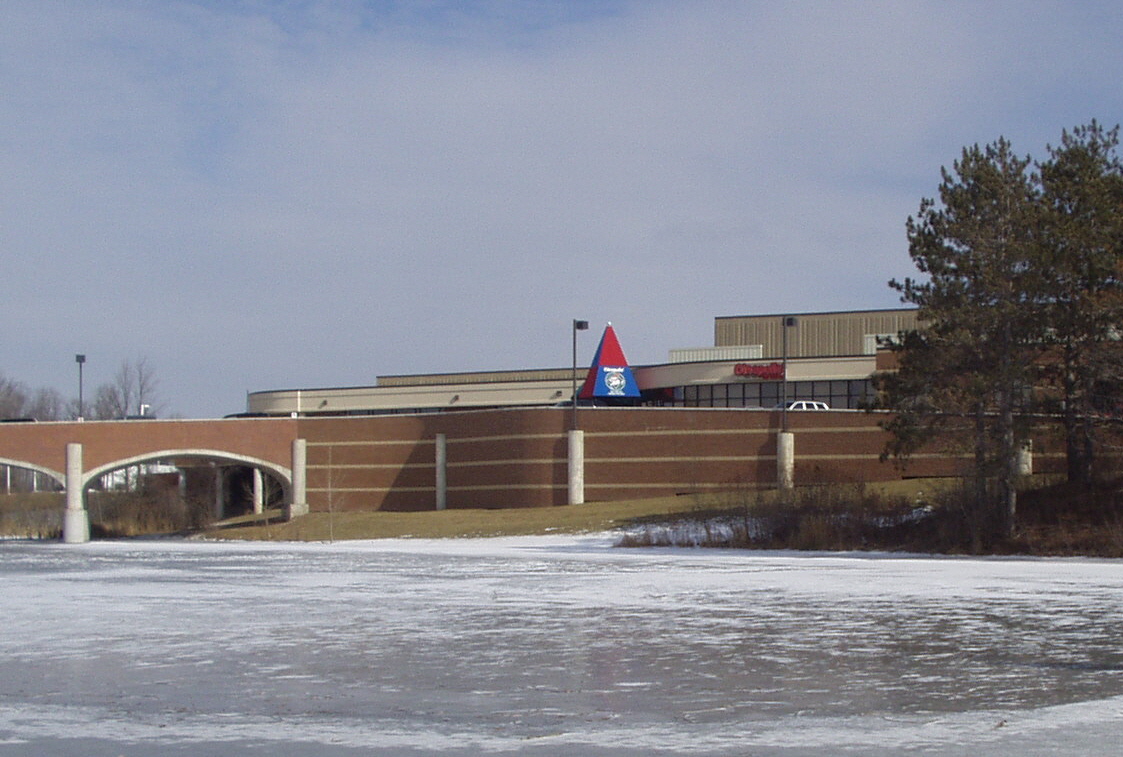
(769, 394)
(861, 392)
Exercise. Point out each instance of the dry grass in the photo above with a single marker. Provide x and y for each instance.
(143, 513)
(32, 516)
(590, 517)
(1062, 519)
(1053, 520)
(932, 516)
(587, 518)
(821, 517)
(112, 514)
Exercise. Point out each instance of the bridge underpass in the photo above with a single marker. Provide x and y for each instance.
(217, 473)
(236, 466)
(212, 487)
(226, 489)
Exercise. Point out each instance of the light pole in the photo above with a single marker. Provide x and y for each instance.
(80, 360)
(789, 321)
(577, 326)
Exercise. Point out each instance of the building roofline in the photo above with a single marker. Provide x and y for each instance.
(817, 312)
(482, 377)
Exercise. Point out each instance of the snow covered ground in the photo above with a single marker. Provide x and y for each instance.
(551, 646)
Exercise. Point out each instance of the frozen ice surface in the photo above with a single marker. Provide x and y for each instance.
(551, 646)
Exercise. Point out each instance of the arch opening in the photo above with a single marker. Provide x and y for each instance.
(174, 490)
(31, 500)
(21, 477)
(248, 490)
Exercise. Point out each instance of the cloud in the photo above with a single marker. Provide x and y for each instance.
(268, 194)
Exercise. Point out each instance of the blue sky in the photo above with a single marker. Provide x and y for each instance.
(259, 195)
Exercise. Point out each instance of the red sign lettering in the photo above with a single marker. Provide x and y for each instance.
(768, 371)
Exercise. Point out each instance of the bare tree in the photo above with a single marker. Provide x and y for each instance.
(109, 402)
(146, 387)
(132, 392)
(71, 411)
(13, 398)
(46, 404)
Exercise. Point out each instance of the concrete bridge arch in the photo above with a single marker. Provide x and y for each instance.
(182, 459)
(280, 472)
(60, 451)
(76, 521)
(77, 479)
(57, 476)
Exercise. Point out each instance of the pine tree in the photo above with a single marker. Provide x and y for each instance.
(969, 368)
(1082, 229)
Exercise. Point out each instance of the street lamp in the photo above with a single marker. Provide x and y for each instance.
(80, 360)
(789, 321)
(577, 326)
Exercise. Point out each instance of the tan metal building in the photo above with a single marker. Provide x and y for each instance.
(827, 357)
(814, 335)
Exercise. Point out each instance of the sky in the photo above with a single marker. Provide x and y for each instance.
(268, 194)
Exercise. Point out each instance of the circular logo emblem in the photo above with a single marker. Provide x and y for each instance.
(614, 380)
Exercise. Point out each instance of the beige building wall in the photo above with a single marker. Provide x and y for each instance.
(799, 369)
(407, 397)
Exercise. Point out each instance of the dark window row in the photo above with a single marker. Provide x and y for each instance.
(842, 394)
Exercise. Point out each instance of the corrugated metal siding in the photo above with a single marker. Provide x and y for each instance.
(703, 354)
(815, 335)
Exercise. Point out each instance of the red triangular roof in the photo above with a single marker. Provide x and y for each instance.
(609, 354)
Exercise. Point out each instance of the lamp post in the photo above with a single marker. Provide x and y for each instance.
(785, 441)
(577, 326)
(788, 322)
(80, 360)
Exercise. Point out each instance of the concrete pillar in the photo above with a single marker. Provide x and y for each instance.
(76, 524)
(299, 504)
(440, 454)
(576, 467)
(785, 459)
(219, 499)
(258, 492)
(1025, 458)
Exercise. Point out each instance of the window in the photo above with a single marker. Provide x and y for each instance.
(838, 394)
(871, 343)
